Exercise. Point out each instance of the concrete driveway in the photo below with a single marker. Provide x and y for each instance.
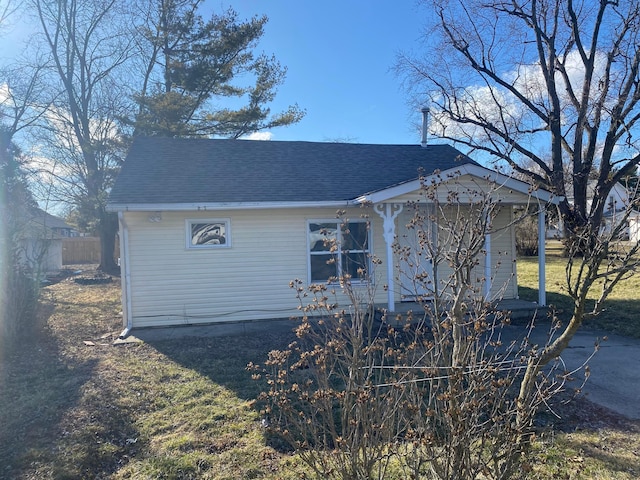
(614, 382)
(615, 369)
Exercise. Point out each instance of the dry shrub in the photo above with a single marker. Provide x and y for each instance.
(527, 237)
(434, 393)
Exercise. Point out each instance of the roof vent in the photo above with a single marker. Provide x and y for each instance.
(425, 125)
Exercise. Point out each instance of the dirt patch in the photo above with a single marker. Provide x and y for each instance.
(97, 279)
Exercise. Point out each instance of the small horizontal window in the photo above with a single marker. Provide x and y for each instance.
(208, 233)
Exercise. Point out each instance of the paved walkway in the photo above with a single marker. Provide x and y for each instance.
(615, 369)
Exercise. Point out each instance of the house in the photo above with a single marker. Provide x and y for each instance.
(41, 241)
(616, 207)
(215, 230)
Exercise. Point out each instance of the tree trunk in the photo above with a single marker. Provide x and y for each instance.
(108, 229)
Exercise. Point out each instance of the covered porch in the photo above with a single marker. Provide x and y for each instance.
(520, 310)
(390, 203)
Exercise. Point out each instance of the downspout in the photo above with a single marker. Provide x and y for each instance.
(125, 277)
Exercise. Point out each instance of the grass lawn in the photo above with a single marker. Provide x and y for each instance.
(74, 406)
(622, 309)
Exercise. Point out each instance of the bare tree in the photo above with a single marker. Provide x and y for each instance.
(7, 9)
(86, 45)
(554, 84)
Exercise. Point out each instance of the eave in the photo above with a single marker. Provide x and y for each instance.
(219, 206)
(499, 179)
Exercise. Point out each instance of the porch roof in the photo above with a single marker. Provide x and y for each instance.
(507, 189)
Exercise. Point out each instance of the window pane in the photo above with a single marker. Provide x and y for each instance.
(322, 236)
(208, 233)
(355, 236)
(322, 267)
(356, 265)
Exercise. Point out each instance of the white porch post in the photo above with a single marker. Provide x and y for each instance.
(487, 266)
(542, 277)
(388, 212)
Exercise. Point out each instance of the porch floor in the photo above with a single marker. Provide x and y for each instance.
(520, 309)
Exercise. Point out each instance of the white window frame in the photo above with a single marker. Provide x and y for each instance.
(189, 222)
(338, 254)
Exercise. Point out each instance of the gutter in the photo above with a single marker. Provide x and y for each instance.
(125, 277)
(182, 207)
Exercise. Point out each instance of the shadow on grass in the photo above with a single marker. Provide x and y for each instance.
(46, 429)
(224, 359)
(561, 304)
(621, 317)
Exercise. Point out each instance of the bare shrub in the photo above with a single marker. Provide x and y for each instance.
(527, 237)
(434, 393)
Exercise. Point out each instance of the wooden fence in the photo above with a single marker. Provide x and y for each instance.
(76, 250)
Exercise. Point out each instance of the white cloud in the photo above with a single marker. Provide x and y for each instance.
(259, 136)
(497, 106)
(5, 94)
(483, 104)
(529, 79)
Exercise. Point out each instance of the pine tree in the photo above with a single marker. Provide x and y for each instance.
(190, 63)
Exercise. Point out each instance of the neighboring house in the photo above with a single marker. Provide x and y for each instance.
(634, 227)
(617, 203)
(41, 241)
(215, 230)
(615, 208)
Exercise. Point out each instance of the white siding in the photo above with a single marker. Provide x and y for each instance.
(468, 188)
(171, 284)
(42, 255)
(503, 255)
(503, 271)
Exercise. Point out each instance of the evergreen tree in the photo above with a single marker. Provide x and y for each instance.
(189, 63)
(18, 293)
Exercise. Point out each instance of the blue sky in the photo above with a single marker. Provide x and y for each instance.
(340, 56)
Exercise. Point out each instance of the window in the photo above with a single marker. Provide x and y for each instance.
(208, 233)
(337, 249)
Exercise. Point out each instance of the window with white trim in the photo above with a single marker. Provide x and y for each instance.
(208, 233)
(338, 248)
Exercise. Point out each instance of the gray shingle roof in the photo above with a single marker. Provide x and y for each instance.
(172, 170)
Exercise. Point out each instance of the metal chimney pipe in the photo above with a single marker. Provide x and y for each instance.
(425, 125)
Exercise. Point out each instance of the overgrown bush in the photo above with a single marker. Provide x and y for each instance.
(434, 393)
